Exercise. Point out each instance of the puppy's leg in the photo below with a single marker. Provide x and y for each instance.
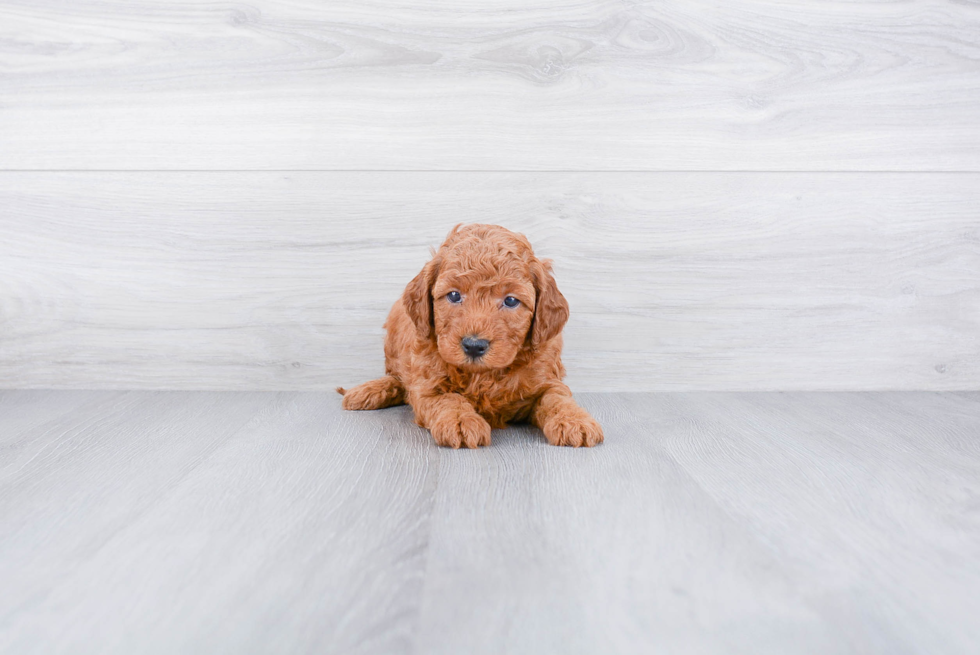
(383, 392)
(563, 422)
(452, 420)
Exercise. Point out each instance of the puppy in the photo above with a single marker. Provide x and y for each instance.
(475, 343)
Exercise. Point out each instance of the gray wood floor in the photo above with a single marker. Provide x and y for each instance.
(255, 522)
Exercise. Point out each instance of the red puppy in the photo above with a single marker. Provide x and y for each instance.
(475, 342)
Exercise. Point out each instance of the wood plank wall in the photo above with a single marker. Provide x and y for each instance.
(747, 195)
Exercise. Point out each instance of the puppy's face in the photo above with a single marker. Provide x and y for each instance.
(482, 321)
(484, 298)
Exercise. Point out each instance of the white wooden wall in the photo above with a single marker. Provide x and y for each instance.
(756, 194)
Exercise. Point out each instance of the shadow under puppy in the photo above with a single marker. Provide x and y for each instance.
(475, 342)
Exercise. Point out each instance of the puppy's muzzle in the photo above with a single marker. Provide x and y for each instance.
(475, 348)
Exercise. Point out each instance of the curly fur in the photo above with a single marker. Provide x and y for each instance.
(519, 378)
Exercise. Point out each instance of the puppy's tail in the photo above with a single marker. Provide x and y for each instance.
(341, 390)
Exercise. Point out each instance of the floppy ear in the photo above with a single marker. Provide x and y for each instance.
(418, 298)
(550, 307)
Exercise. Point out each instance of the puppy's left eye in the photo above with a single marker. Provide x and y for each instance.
(454, 297)
(511, 301)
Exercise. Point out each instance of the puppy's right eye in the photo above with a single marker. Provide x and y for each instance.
(454, 297)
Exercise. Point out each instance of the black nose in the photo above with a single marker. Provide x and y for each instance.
(474, 347)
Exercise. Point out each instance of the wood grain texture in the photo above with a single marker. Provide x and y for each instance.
(212, 523)
(676, 281)
(827, 499)
(756, 523)
(494, 85)
(206, 522)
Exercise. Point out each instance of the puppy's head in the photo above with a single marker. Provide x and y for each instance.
(485, 297)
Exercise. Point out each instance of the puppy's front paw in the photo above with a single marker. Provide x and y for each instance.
(573, 428)
(467, 429)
